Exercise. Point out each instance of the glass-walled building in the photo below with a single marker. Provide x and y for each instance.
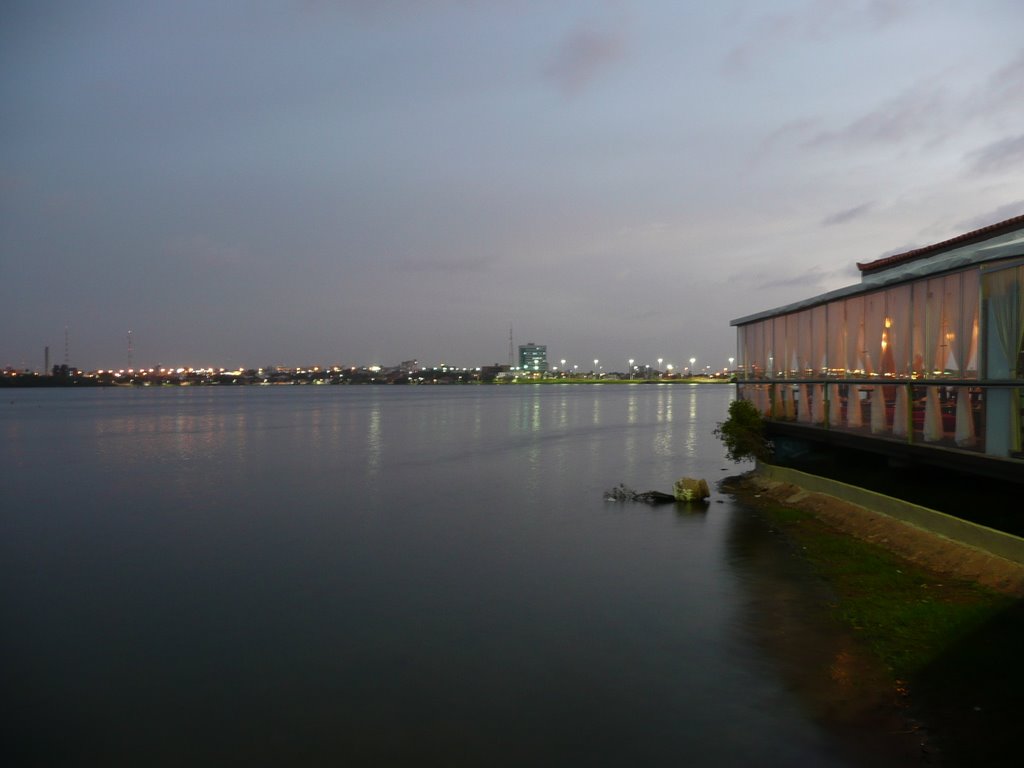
(927, 349)
(533, 357)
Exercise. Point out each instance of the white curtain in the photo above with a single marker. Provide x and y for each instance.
(836, 352)
(835, 407)
(854, 357)
(965, 436)
(896, 360)
(805, 403)
(874, 332)
(818, 404)
(934, 323)
(899, 415)
(877, 410)
(967, 346)
(854, 416)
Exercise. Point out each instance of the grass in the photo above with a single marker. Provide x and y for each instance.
(905, 615)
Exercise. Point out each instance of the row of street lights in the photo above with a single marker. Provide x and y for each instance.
(634, 369)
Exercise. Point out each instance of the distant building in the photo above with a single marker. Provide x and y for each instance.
(533, 357)
(923, 359)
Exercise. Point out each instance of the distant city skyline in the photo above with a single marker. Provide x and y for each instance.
(245, 183)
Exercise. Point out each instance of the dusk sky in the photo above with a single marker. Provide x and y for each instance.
(316, 182)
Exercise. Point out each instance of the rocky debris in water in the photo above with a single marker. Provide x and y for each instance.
(623, 493)
(691, 489)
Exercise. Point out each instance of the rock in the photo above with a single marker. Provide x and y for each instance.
(691, 489)
(623, 493)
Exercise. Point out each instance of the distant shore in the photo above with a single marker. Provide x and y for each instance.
(206, 379)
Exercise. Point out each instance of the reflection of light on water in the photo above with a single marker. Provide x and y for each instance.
(691, 426)
(663, 412)
(374, 442)
(842, 669)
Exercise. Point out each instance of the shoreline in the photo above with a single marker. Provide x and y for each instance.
(933, 625)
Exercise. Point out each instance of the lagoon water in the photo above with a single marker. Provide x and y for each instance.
(382, 576)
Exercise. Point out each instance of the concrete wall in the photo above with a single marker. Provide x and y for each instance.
(1003, 545)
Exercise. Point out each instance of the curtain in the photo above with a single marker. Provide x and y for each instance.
(854, 417)
(933, 322)
(899, 414)
(878, 425)
(874, 332)
(805, 403)
(835, 407)
(778, 411)
(819, 340)
(780, 361)
(806, 365)
(919, 303)
(818, 404)
(836, 350)
(968, 346)
(1007, 317)
(965, 434)
(952, 333)
(895, 359)
(855, 335)
(932, 416)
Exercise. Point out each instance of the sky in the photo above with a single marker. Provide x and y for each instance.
(366, 182)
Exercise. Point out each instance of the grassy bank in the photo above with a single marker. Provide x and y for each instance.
(905, 615)
(951, 646)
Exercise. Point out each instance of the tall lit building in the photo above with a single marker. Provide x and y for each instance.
(533, 357)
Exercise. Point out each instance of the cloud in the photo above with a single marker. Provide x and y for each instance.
(1002, 213)
(841, 217)
(918, 111)
(1006, 85)
(816, 20)
(581, 57)
(201, 251)
(1002, 155)
(442, 265)
(811, 279)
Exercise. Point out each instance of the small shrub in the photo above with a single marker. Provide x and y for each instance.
(743, 433)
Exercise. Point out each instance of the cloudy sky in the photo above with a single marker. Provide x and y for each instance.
(308, 181)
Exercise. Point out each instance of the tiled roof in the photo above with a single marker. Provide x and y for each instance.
(978, 235)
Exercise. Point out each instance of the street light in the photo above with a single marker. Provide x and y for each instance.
(631, 367)
(659, 367)
(595, 367)
(689, 371)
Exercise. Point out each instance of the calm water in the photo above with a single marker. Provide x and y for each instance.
(381, 575)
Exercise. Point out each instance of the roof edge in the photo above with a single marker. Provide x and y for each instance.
(967, 238)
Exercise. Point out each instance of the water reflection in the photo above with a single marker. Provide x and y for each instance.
(787, 613)
(403, 576)
(374, 441)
